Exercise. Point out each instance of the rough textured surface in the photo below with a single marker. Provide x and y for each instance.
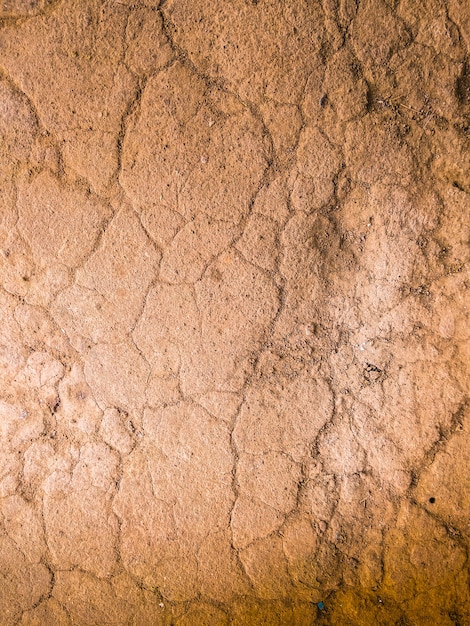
(234, 338)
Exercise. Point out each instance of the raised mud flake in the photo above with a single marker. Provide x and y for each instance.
(42, 373)
(251, 35)
(170, 316)
(117, 431)
(48, 612)
(340, 451)
(385, 226)
(318, 163)
(148, 49)
(364, 510)
(441, 488)
(84, 315)
(194, 246)
(224, 406)
(18, 125)
(163, 383)
(73, 73)
(271, 478)
(251, 519)
(79, 529)
(117, 374)
(206, 614)
(378, 32)
(23, 525)
(344, 87)
(237, 303)
(258, 244)
(460, 15)
(22, 421)
(89, 600)
(425, 559)
(182, 165)
(40, 461)
(454, 231)
(385, 159)
(121, 270)
(406, 419)
(22, 8)
(220, 575)
(59, 222)
(300, 540)
(283, 122)
(201, 468)
(266, 565)
(23, 583)
(78, 412)
(283, 415)
(10, 469)
(42, 370)
(430, 81)
(271, 202)
(227, 181)
(267, 486)
(16, 265)
(176, 578)
(181, 474)
(13, 354)
(452, 162)
(147, 531)
(154, 165)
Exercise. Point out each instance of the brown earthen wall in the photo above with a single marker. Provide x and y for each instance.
(234, 324)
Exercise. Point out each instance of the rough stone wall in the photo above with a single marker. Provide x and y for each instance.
(234, 338)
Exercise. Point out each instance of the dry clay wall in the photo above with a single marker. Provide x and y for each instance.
(234, 339)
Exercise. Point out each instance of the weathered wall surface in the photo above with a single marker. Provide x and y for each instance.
(234, 339)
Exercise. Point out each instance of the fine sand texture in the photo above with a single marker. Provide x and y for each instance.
(234, 312)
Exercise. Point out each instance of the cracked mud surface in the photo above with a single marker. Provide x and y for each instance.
(234, 340)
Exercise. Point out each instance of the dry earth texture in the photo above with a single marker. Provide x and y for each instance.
(234, 339)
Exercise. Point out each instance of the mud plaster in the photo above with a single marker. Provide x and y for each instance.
(234, 243)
